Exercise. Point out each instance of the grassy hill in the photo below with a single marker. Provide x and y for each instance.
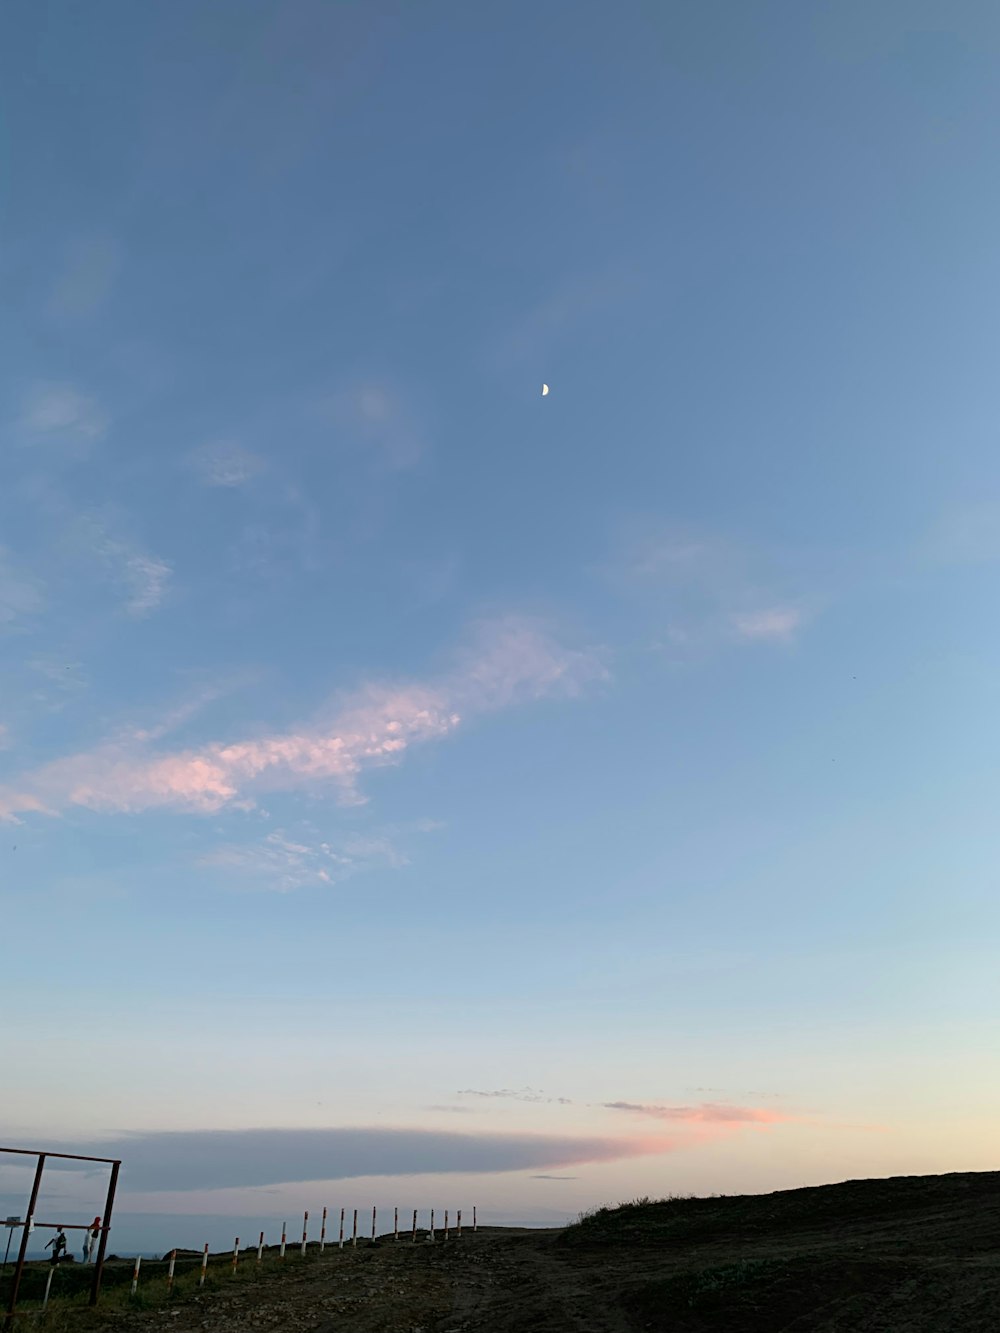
(914, 1254)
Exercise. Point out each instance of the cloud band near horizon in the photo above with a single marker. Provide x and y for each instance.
(172, 1161)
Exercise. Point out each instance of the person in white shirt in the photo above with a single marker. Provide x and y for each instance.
(90, 1238)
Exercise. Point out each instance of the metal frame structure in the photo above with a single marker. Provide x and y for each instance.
(26, 1225)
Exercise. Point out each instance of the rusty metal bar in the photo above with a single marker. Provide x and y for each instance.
(95, 1289)
(23, 1247)
(63, 1226)
(67, 1156)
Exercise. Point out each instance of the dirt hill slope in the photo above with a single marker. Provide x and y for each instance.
(905, 1255)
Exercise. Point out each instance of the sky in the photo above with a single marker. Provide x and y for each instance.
(416, 791)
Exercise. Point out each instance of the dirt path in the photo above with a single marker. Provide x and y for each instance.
(498, 1280)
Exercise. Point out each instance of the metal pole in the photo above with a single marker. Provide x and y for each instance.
(414, 1226)
(281, 1250)
(458, 1223)
(204, 1266)
(373, 1225)
(23, 1247)
(135, 1274)
(236, 1255)
(305, 1231)
(475, 1223)
(102, 1244)
(395, 1224)
(340, 1244)
(430, 1234)
(446, 1224)
(354, 1234)
(322, 1233)
(260, 1247)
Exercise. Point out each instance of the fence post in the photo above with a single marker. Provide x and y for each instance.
(340, 1243)
(373, 1225)
(260, 1248)
(170, 1271)
(204, 1266)
(430, 1234)
(281, 1251)
(236, 1254)
(458, 1223)
(48, 1287)
(414, 1226)
(475, 1225)
(135, 1274)
(305, 1231)
(322, 1233)
(354, 1233)
(446, 1224)
(395, 1224)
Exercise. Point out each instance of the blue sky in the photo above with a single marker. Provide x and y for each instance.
(378, 734)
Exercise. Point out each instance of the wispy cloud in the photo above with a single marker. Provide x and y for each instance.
(143, 577)
(517, 1095)
(225, 464)
(776, 622)
(712, 1113)
(965, 535)
(283, 863)
(580, 298)
(511, 661)
(705, 591)
(20, 594)
(54, 410)
(375, 415)
(85, 280)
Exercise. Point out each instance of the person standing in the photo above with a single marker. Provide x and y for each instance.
(58, 1245)
(90, 1239)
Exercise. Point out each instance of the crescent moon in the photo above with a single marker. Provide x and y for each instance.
(545, 389)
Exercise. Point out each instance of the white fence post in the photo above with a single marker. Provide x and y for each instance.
(48, 1287)
(236, 1254)
(135, 1274)
(204, 1266)
(170, 1271)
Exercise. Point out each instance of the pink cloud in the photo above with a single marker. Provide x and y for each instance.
(510, 661)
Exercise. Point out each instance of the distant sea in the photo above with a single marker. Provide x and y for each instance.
(34, 1255)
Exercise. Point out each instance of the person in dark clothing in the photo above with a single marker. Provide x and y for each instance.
(58, 1245)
